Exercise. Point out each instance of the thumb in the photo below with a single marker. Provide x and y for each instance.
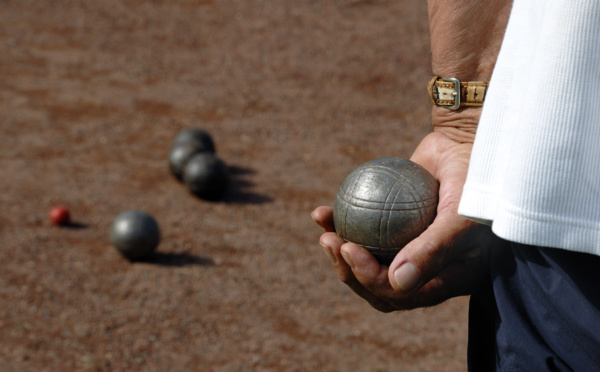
(429, 254)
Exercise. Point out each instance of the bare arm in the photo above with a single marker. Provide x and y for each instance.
(448, 258)
(465, 41)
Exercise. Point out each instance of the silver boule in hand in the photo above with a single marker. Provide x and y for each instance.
(384, 204)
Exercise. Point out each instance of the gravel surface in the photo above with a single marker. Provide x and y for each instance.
(295, 94)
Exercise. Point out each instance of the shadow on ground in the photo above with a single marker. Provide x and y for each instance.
(177, 260)
(240, 190)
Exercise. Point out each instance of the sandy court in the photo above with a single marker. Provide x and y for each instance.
(296, 94)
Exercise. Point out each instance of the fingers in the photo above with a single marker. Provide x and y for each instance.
(323, 216)
(425, 272)
(332, 244)
(364, 266)
(340, 254)
(370, 276)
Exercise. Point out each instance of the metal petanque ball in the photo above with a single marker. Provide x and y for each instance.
(206, 175)
(180, 154)
(384, 204)
(135, 234)
(195, 135)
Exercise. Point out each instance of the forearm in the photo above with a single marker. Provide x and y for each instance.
(465, 40)
(448, 259)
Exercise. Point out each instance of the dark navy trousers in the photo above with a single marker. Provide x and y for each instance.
(539, 311)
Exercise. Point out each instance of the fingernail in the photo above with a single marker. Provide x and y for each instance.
(407, 277)
(329, 254)
(347, 259)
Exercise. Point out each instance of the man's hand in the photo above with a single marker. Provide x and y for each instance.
(449, 259)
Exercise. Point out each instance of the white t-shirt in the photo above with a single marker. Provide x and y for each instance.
(534, 173)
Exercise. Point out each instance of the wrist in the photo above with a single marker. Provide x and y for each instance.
(458, 125)
(465, 40)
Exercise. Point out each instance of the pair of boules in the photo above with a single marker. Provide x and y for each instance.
(186, 144)
(192, 160)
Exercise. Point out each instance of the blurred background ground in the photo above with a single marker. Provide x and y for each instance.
(296, 94)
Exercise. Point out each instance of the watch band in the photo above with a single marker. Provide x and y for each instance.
(453, 94)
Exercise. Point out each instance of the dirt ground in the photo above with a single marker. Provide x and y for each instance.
(296, 94)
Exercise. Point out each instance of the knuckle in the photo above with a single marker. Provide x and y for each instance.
(434, 256)
(346, 277)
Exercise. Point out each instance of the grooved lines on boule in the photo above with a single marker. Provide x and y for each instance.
(390, 205)
(384, 204)
(396, 186)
